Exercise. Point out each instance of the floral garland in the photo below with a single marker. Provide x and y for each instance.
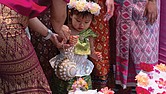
(83, 5)
(151, 80)
(81, 84)
(106, 90)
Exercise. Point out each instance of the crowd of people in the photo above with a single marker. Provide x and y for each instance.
(53, 25)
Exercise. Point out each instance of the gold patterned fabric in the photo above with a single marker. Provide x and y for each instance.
(102, 44)
(20, 71)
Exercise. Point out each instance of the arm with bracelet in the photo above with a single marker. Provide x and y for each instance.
(36, 25)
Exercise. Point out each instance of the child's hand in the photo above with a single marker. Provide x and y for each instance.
(96, 55)
(73, 39)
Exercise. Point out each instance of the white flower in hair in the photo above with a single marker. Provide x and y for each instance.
(72, 4)
(83, 5)
(94, 8)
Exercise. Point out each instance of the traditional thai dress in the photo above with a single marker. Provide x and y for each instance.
(20, 70)
(84, 66)
(101, 44)
(136, 40)
(162, 40)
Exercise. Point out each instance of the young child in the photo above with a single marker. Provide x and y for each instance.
(80, 17)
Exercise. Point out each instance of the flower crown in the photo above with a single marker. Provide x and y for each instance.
(83, 5)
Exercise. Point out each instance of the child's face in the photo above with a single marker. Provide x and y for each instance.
(81, 23)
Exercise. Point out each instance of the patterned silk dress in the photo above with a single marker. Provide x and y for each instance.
(136, 40)
(20, 70)
(102, 44)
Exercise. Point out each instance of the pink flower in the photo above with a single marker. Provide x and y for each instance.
(105, 90)
(150, 89)
(146, 67)
(80, 84)
(161, 83)
(164, 92)
(141, 90)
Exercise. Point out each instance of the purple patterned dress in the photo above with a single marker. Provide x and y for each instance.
(20, 70)
(162, 40)
(136, 41)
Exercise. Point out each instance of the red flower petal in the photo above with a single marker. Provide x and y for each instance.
(141, 90)
(146, 67)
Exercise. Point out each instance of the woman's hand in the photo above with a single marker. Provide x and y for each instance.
(66, 32)
(59, 44)
(58, 41)
(110, 9)
(151, 11)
